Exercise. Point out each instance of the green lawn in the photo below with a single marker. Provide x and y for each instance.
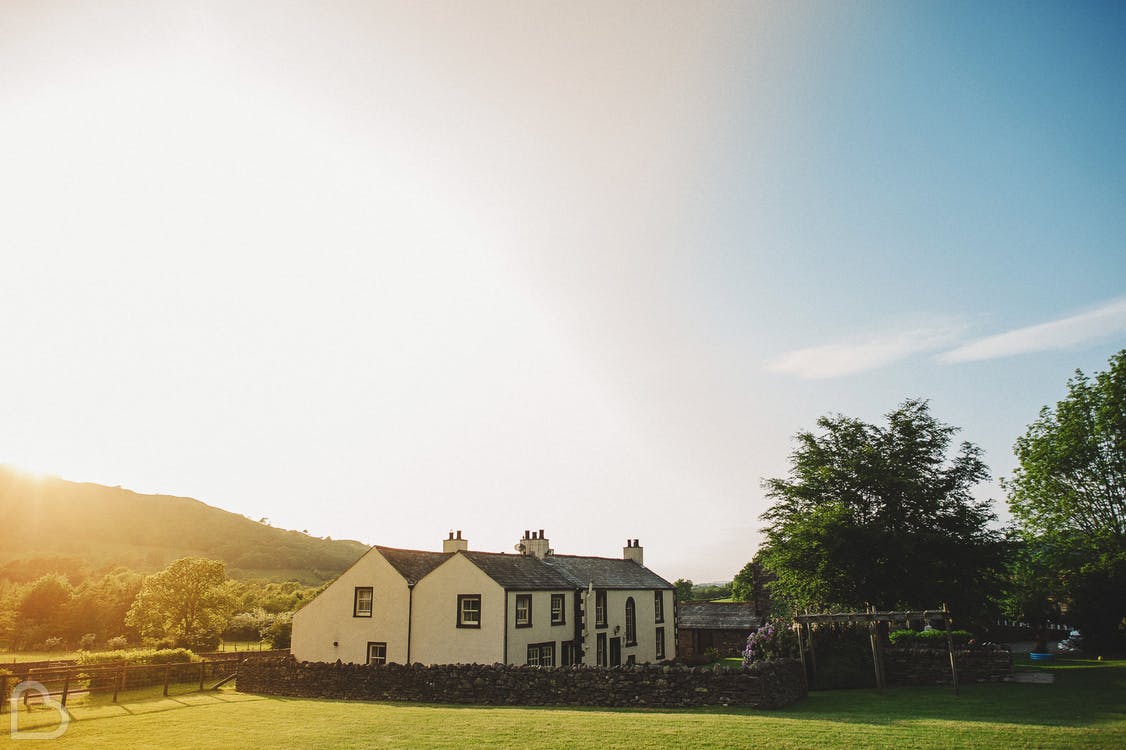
(1084, 708)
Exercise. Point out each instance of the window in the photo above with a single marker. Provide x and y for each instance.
(658, 606)
(601, 649)
(361, 602)
(631, 623)
(541, 654)
(568, 654)
(523, 610)
(660, 643)
(558, 609)
(377, 653)
(469, 610)
(599, 609)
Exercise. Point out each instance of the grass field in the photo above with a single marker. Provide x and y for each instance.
(1084, 708)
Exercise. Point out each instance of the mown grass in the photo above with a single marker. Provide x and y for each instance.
(1084, 708)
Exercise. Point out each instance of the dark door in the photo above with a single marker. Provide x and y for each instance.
(615, 652)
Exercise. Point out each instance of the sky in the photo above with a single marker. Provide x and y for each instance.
(384, 270)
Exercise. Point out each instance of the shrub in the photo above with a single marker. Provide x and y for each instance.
(139, 656)
(843, 656)
(245, 626)
(86, 642)
(117, 643)
(929, 638)
(52, 644)
(280, 633)
(770, 642)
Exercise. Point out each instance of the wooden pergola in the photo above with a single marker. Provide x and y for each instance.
(803, 624)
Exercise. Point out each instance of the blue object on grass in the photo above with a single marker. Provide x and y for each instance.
(1041, 657)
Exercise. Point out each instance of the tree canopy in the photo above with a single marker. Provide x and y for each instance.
(881, 515)
(1072, 472)
(1068, 498)
(186, 603)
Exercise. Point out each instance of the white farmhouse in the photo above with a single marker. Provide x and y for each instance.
(461, 606)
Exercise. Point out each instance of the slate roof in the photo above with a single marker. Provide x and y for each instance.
(605, 572)
(519, 571)
(412, 564)
(717, 616)
(528, 573)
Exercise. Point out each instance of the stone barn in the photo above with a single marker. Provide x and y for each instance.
(723, 626)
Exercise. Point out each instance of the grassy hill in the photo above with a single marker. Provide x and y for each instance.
(105, 526)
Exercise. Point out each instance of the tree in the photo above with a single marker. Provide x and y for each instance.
(45, 598)
(750, 585)
(100, 606)
(1068, 498)
(683, 588)
(1072, 473)
(187, 603)
(881, 515)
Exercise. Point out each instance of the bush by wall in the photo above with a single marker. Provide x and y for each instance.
(929, 638)
(764, 685)
(138, 656)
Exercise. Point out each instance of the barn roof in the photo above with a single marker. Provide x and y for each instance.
(717, 616)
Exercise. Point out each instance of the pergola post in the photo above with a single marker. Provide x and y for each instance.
(801, 655)
(950, 647)
(875, 646)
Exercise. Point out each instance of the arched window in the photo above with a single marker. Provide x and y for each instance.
(631, 623)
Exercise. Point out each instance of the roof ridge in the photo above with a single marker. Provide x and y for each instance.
(403, 549)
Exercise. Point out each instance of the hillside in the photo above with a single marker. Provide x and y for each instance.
(104, 526)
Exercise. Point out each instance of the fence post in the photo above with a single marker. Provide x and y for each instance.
(4, 692)
(201, 666)
(66, 687)
(118, 682)
(167, 671)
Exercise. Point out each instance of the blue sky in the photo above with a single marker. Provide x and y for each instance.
(381, 270)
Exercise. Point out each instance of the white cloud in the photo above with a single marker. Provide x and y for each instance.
(841, 359)
(1107, 319)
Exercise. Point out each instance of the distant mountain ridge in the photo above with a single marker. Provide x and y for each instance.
(106, 526)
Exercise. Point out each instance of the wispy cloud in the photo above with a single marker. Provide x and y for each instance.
(849, 358)
(1107, 319)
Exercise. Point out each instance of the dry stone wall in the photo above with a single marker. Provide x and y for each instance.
(766, 685)
(931, 666)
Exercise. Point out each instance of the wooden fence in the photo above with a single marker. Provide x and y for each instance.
(67, 681)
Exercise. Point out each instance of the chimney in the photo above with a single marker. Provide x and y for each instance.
(455, 543)
(535, 544)
(634, 551)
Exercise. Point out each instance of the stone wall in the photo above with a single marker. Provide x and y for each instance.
(931, 666)
(767, 685)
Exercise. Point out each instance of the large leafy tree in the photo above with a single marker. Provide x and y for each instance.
(1068, 498)
(187, 603)
(750, 585)
(1072, 473)
(881, 515)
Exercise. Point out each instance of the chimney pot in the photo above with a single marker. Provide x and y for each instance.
(459, 533)
(541, 533)
(527, 534)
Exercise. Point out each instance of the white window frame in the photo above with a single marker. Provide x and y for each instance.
(357, 611)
